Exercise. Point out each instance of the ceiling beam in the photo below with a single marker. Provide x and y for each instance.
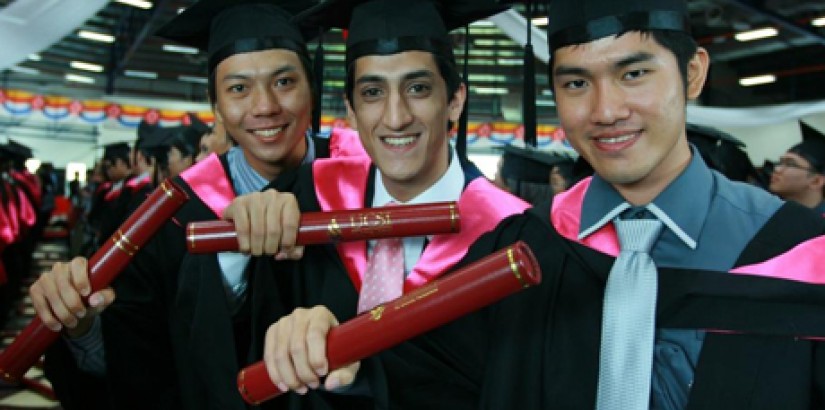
(780, 20)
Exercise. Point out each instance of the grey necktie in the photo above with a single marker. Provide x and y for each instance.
(628, 321)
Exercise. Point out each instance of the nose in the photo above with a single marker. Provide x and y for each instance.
(397, 115)
(609, 105)
(265, 101)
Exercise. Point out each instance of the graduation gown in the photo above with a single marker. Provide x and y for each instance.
(330, 275)
(544, 341)
(169, 336)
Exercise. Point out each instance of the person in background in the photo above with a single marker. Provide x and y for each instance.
(799, 175)
(724, 153)
(217, 140)
(529, 173)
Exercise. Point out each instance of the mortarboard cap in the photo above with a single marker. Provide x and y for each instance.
(384, 27)
(19, 150)
(582, 21)
(722, 152)
(223, 28)
(197, 125)
(116, 150)
(529, 164)
(186, 140)
(812, 147)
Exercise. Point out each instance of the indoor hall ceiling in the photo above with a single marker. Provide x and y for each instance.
(795, 57)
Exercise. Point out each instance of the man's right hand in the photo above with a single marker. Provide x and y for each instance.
(267, 224)
(58, 294)
(295, 352)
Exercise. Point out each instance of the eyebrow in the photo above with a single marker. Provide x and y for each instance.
(413, 75)
(279, 71)
(634, 58)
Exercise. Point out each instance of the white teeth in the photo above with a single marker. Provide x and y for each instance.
(399, 141)
(268, 133)
(616, 140)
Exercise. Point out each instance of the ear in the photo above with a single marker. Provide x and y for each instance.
(218, 116)
(353, 121)
(456, 105)
(818, 182)
(697, 73)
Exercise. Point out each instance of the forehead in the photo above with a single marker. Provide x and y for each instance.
(265, 60)
(395, 65)
(608, 50)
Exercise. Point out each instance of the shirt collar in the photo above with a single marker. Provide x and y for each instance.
(447, 188)
(245, 179)
(602, 203)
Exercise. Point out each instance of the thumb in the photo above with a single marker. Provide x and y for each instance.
(342, 377)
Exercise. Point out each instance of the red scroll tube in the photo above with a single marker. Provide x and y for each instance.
(104, 266)
(334, 226)
(468, 289)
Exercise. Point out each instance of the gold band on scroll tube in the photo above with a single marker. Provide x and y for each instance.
(166, 189)
(191, 236)
(453, 217)
(123, 243)
(514, 267)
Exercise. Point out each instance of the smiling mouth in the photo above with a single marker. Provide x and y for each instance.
(398, 142)
(618, 139)
(268, 133)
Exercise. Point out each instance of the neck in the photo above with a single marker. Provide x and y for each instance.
(271, 170)
(646, 190)
(809, 199)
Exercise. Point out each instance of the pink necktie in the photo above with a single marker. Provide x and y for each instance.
(384, 278)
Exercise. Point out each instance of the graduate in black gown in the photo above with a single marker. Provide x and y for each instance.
(180, 327)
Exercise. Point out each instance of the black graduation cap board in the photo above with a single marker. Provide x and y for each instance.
(582, 21)
(223, 27)
(812, 147)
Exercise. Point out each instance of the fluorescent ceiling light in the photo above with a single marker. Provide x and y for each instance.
(490, 90)
(540, 21)
(141, 74)
(141, 4)
(482, 23)
(510, 61)
(179, 49)
(487, 78)
(757, 80)
(547, 91)
(192, 79)
(24, 70)
(820, 22)
(80, 79)
(545, 103)
(91, 35)
(80, 65)
(181, 9)
(756, 34)
(34, 57)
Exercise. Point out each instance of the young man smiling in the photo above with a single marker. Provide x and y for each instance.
(182, 324)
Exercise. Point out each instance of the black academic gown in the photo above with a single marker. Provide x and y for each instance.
(544, 345)
(169, 336)
(401, 377)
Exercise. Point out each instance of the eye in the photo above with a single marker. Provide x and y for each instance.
(634, 74)
(371, 92)
(284, 81)
(575, 84)
(419, 88)
(236, 88)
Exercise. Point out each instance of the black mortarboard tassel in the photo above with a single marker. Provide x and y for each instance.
(582, 21)
(224, 27)
(318, 68)
(464, 119)
(812, 147)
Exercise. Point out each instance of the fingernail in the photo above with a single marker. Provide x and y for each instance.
(56, 328)
(85, 291)
(313, 385)
(81, 314)
(283, 388)
(321, 371)
(301, 390)
(96, 300)
(333, 383)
